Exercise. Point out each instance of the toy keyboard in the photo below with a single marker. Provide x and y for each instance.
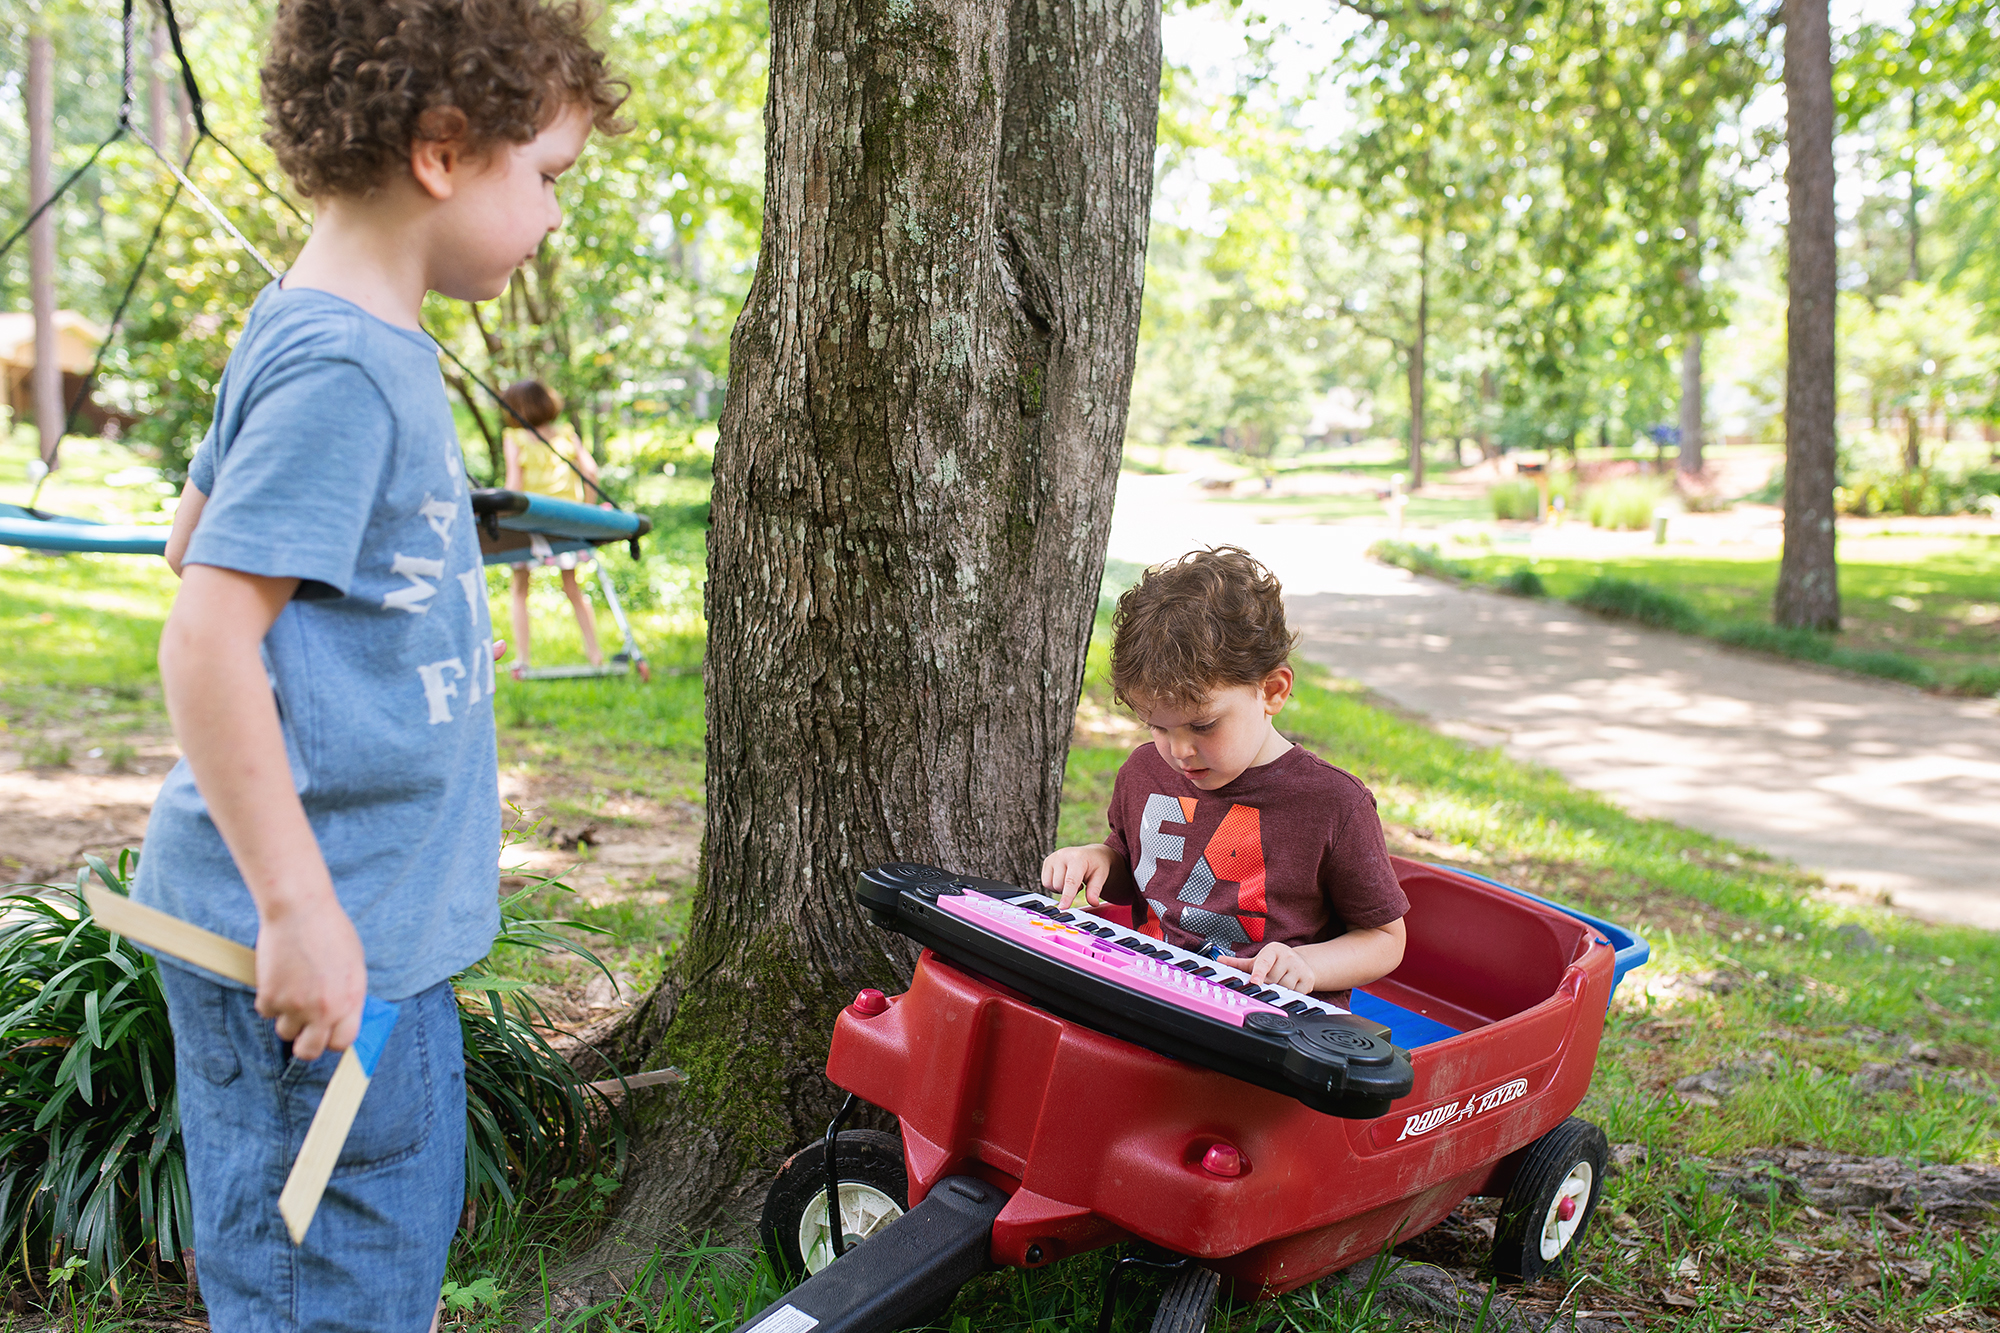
(1143, 990)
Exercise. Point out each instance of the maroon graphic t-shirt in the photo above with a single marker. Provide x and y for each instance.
(1291, 851)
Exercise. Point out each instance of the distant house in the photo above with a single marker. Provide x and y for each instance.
(77, 340)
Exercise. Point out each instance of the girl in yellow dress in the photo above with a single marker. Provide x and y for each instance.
(535, 466)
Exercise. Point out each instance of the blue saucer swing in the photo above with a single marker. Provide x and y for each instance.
(510, 522)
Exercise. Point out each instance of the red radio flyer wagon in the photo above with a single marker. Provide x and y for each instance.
(1048, 1106)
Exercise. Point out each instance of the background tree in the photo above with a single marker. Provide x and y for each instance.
(1808, 593)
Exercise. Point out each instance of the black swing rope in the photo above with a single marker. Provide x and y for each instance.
(198, 110)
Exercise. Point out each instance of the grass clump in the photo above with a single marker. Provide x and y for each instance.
(1626, 504)
(1625, 599)
(1419, 560)
(1515, 500)
(1522, 582)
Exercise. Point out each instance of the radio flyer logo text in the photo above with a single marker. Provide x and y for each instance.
(1452, 1113)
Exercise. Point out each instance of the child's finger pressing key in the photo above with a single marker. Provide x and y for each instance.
(1069, 871)
(1278, 964)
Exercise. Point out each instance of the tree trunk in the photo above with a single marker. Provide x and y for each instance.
(1913, 438)
(1808, 592)
(1416, 363)
(913, 490)
(1489, 394)
(1690, 460)
(47, 373)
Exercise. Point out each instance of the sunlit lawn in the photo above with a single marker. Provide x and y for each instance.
(1938, 600)
(1749, 970)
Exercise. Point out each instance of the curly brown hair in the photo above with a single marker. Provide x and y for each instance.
(349, 85)
(1210, 619)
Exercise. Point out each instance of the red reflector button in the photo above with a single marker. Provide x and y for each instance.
(1222, 1160)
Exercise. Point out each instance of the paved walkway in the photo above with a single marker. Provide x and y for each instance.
(1874, 785)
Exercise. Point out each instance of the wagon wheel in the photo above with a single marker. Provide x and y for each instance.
(1551, 1201)
(1189, 1298)
(874, 1192)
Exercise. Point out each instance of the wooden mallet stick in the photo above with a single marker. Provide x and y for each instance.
(327, 1134)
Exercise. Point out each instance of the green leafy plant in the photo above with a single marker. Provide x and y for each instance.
(1921, 492)
(90, 1149)
(529, 1118)
(91, 1163)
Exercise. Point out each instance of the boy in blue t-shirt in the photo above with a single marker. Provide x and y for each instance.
(328, 663)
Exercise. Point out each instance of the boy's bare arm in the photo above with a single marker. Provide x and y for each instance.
(186, 516)
(1342, 963)
(311, 975)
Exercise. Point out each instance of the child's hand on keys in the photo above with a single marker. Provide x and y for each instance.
(1068, 871)
(1277, 965)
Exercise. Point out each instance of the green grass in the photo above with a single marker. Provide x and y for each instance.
(1751, 973)
(1748, 958)
(1924, 611)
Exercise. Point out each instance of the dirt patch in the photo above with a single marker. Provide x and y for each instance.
(608, 846)
(51, 818)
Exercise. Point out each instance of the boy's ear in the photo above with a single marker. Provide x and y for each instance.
(1277, 688)
(438, 150)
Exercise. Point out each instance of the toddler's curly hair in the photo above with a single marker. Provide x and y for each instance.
(1210, 619)
(349, 85)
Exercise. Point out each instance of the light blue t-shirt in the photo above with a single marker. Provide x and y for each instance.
(333, 459)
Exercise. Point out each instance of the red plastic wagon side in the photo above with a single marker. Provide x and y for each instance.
(1084, 1140)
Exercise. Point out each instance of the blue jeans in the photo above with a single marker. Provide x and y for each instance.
(373, 1259)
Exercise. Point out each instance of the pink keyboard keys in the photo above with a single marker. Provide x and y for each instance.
(1101, 958)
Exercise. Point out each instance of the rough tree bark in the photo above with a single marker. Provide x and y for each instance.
(1808, 593)
(913, 490)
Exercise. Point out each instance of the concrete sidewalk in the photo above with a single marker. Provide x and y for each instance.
(1874, 785)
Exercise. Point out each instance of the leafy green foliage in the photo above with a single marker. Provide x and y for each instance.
(1869, 491)
(528, 1118)
(90, 1157)
(91, 1163)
